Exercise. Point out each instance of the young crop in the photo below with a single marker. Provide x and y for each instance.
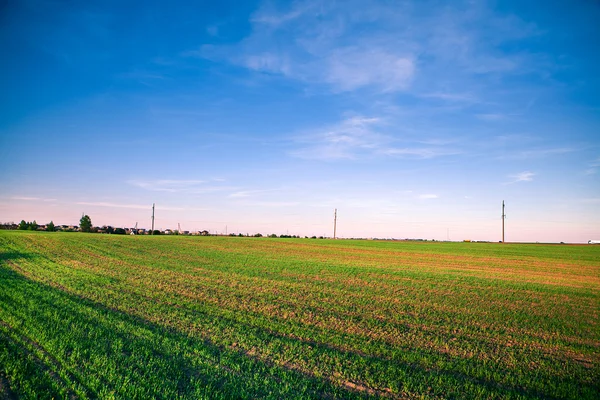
(226, 317)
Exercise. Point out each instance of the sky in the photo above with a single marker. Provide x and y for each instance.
(414, 119)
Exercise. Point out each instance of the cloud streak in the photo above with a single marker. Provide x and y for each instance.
(180, 186)
(364, 137)
(526, 176)
(324, 54)
(26, 198)
(316, 42)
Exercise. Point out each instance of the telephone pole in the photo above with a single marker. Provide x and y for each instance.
(152, 232)
(503, 218)
(334, 222)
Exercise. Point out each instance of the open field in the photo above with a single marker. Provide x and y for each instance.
(86, 316)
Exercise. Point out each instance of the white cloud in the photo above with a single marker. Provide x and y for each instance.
(346, 140)
(251, 193)
(315, 42)
(593, 167)
(362, 137)
(270, 203)
(25, 198)
(117, 205)
(180, 186)
(592, 200)
(428, 196)
(273, 18)
(450, 96)
(420, 152)
(492, 116)
(352, 68)
(382, 46)
(544, 152)
(268, 62)
(526, 176)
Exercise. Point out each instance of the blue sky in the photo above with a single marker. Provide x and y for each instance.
(413, 119)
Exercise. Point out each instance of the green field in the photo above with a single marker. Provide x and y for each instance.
(108, 316)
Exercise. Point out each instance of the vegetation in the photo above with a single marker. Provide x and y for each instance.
(115, 316)
(85, 223)
(28, 226)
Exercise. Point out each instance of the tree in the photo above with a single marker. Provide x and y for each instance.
(50, 226)
(33, 226)
(85, 223)
(23, 225)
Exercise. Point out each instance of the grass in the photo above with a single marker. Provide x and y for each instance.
(87, 316)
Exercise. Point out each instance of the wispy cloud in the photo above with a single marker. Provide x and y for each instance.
(119, 205)
(354, 67)
(492, 116)
(526, 176)
(362, 137)
(593, 167)
(428, 196)
(180, 186)
(591, 200)
(452, 97)
(347, 140)
(26, 198)
(420, 152)
(316, 42)
(366, 137)
(270, 203)
(532, 153)
(538, 153)
(251, 193)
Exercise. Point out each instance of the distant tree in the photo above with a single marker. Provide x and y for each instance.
(258, 235)
(33, 226)
(156, 232)
(50, 227)
(23, 225)
(85, 223)
(119, 231)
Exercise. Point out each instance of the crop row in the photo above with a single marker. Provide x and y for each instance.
(271, 318)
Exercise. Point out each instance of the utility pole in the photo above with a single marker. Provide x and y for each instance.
(503, 218)
(334, 222)
(152, 232)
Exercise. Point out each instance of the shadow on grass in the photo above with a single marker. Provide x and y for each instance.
(10, 255)
(447, 382)
(101, 352)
